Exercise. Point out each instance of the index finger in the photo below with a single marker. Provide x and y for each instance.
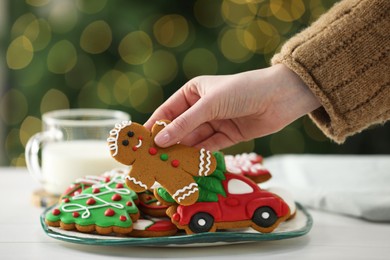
(174, 106)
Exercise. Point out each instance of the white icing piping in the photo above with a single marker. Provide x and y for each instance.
(114, 134)
(187, 194)
(202, 162)
(72, 207)
(193, 187)
(139, 183)
(139, 143)
(161, 123)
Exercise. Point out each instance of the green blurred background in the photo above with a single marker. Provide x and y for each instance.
(132, 55)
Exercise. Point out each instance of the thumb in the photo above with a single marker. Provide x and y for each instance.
(183, 125)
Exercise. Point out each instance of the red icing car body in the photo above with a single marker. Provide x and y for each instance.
(245, 205)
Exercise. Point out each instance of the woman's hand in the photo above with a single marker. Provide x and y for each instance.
(215, 112)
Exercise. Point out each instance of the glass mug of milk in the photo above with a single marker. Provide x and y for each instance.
(73, 145)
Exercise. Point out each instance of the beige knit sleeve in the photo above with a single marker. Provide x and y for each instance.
(344, 59)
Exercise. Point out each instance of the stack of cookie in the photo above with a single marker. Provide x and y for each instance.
(165, 189)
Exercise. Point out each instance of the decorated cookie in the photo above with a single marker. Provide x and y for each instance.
(147, 226)
(249, 165)
(149, 205)
(81, 184)
(174, 167)
(241, 203)
(107, 206)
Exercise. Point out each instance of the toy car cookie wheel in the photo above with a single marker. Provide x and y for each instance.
(201, 222)
(264, 217)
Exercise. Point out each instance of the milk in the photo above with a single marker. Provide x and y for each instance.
(64, 162)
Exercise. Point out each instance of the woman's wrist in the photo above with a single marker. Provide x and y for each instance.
(291, 94)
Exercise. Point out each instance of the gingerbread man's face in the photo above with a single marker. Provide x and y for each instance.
(127, 141)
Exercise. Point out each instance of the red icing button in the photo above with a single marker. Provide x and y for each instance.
(116, 197)
(75, 214)
(129, 203)
(66, 200)
(152, 151)
(176, 217)
(56, 212)
(122, 218)
(109, 213)
(96, 190)
(175, 163)
(119, 186)
(140, 138)
(134, 148)
(107, 179)
(91, 201)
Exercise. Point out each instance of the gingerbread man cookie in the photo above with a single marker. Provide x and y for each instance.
(173, 167)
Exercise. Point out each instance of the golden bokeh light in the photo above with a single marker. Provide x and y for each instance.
(54, 99)
(96, 37)
(19, 26)
(39, 33)
(231, 46)
(266, 36)
(62, 57)
(19, 53)
(135, 48)
(19, 161)
(145, 95)
(13, 107)
(63, 16)
(161, 67)
(171, 30)
(237, 14)
(121, 88)
(287, 11)
(199, 61)
(91, 6)
(30, 126)
(106, 85)
(208, 13)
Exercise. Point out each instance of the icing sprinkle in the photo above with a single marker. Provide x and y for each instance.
(114, 134)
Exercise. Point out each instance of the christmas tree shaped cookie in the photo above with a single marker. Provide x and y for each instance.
(106, 207)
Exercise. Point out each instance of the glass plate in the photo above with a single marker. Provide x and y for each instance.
(298, 226)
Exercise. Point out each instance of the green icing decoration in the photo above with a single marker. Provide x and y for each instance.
(164, 156)
(95, 214)
(165, 195)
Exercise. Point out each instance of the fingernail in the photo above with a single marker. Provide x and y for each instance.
(162, 138)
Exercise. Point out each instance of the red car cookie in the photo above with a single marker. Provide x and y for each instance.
(245, 205)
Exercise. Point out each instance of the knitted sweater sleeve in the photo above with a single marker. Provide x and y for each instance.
(344, 59)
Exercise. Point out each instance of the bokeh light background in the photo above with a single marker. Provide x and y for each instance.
(132, 55)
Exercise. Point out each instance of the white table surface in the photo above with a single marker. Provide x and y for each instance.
(332, 236)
